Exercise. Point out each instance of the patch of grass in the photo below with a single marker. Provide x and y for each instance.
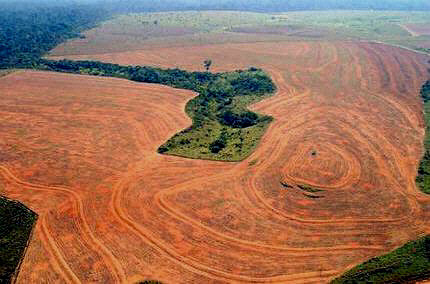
(202, 21)
(406, 264)
(423, 176)
(312, 196)
(16, 224)
(5, 72)
(308, 188)
(286, 185)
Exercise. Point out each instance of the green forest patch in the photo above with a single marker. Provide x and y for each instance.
(16, 224)
(423, 176)
(406, 264)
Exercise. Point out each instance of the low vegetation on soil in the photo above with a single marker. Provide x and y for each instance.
(305, 189)
(222, 129)
(423, 176)
(406, 264)
(16, 223)
(201, 21)
(384, 26)
(308, 188)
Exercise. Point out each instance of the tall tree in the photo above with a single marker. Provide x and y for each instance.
(207, 63)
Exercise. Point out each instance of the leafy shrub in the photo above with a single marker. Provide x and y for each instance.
(240, 120)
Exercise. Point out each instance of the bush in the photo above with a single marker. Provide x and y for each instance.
(217, 146)
(241, 120)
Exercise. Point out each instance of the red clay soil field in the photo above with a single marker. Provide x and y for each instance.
(81, 152)
(418, 29)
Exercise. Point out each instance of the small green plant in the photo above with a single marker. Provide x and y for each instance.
(207, 64)
(286, 185)
(150, 282)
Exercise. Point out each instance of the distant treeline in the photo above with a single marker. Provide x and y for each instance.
(265, 5)
(27, 32)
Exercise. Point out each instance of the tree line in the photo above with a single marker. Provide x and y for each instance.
(27, 32)
(423, 176)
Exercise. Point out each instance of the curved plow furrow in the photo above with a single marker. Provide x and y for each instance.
(330, 185)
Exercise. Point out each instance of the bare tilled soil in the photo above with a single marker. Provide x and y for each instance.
(418, 29)
(81, 152)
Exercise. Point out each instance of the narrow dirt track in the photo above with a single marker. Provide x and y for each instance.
(81, 151)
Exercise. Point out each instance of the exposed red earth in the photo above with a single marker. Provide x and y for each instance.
(418, 29)
(81, 152)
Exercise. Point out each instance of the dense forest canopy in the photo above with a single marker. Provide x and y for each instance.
(29, 31)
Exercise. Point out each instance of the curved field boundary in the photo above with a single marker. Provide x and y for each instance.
(69, 274)
(10, 207)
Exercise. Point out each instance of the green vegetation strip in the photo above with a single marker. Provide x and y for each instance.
(223, 128)
(406, 264)
(423, 177)
(16, 223)
(308, 188)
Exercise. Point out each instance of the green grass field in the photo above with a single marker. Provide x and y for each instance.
(202, 21)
